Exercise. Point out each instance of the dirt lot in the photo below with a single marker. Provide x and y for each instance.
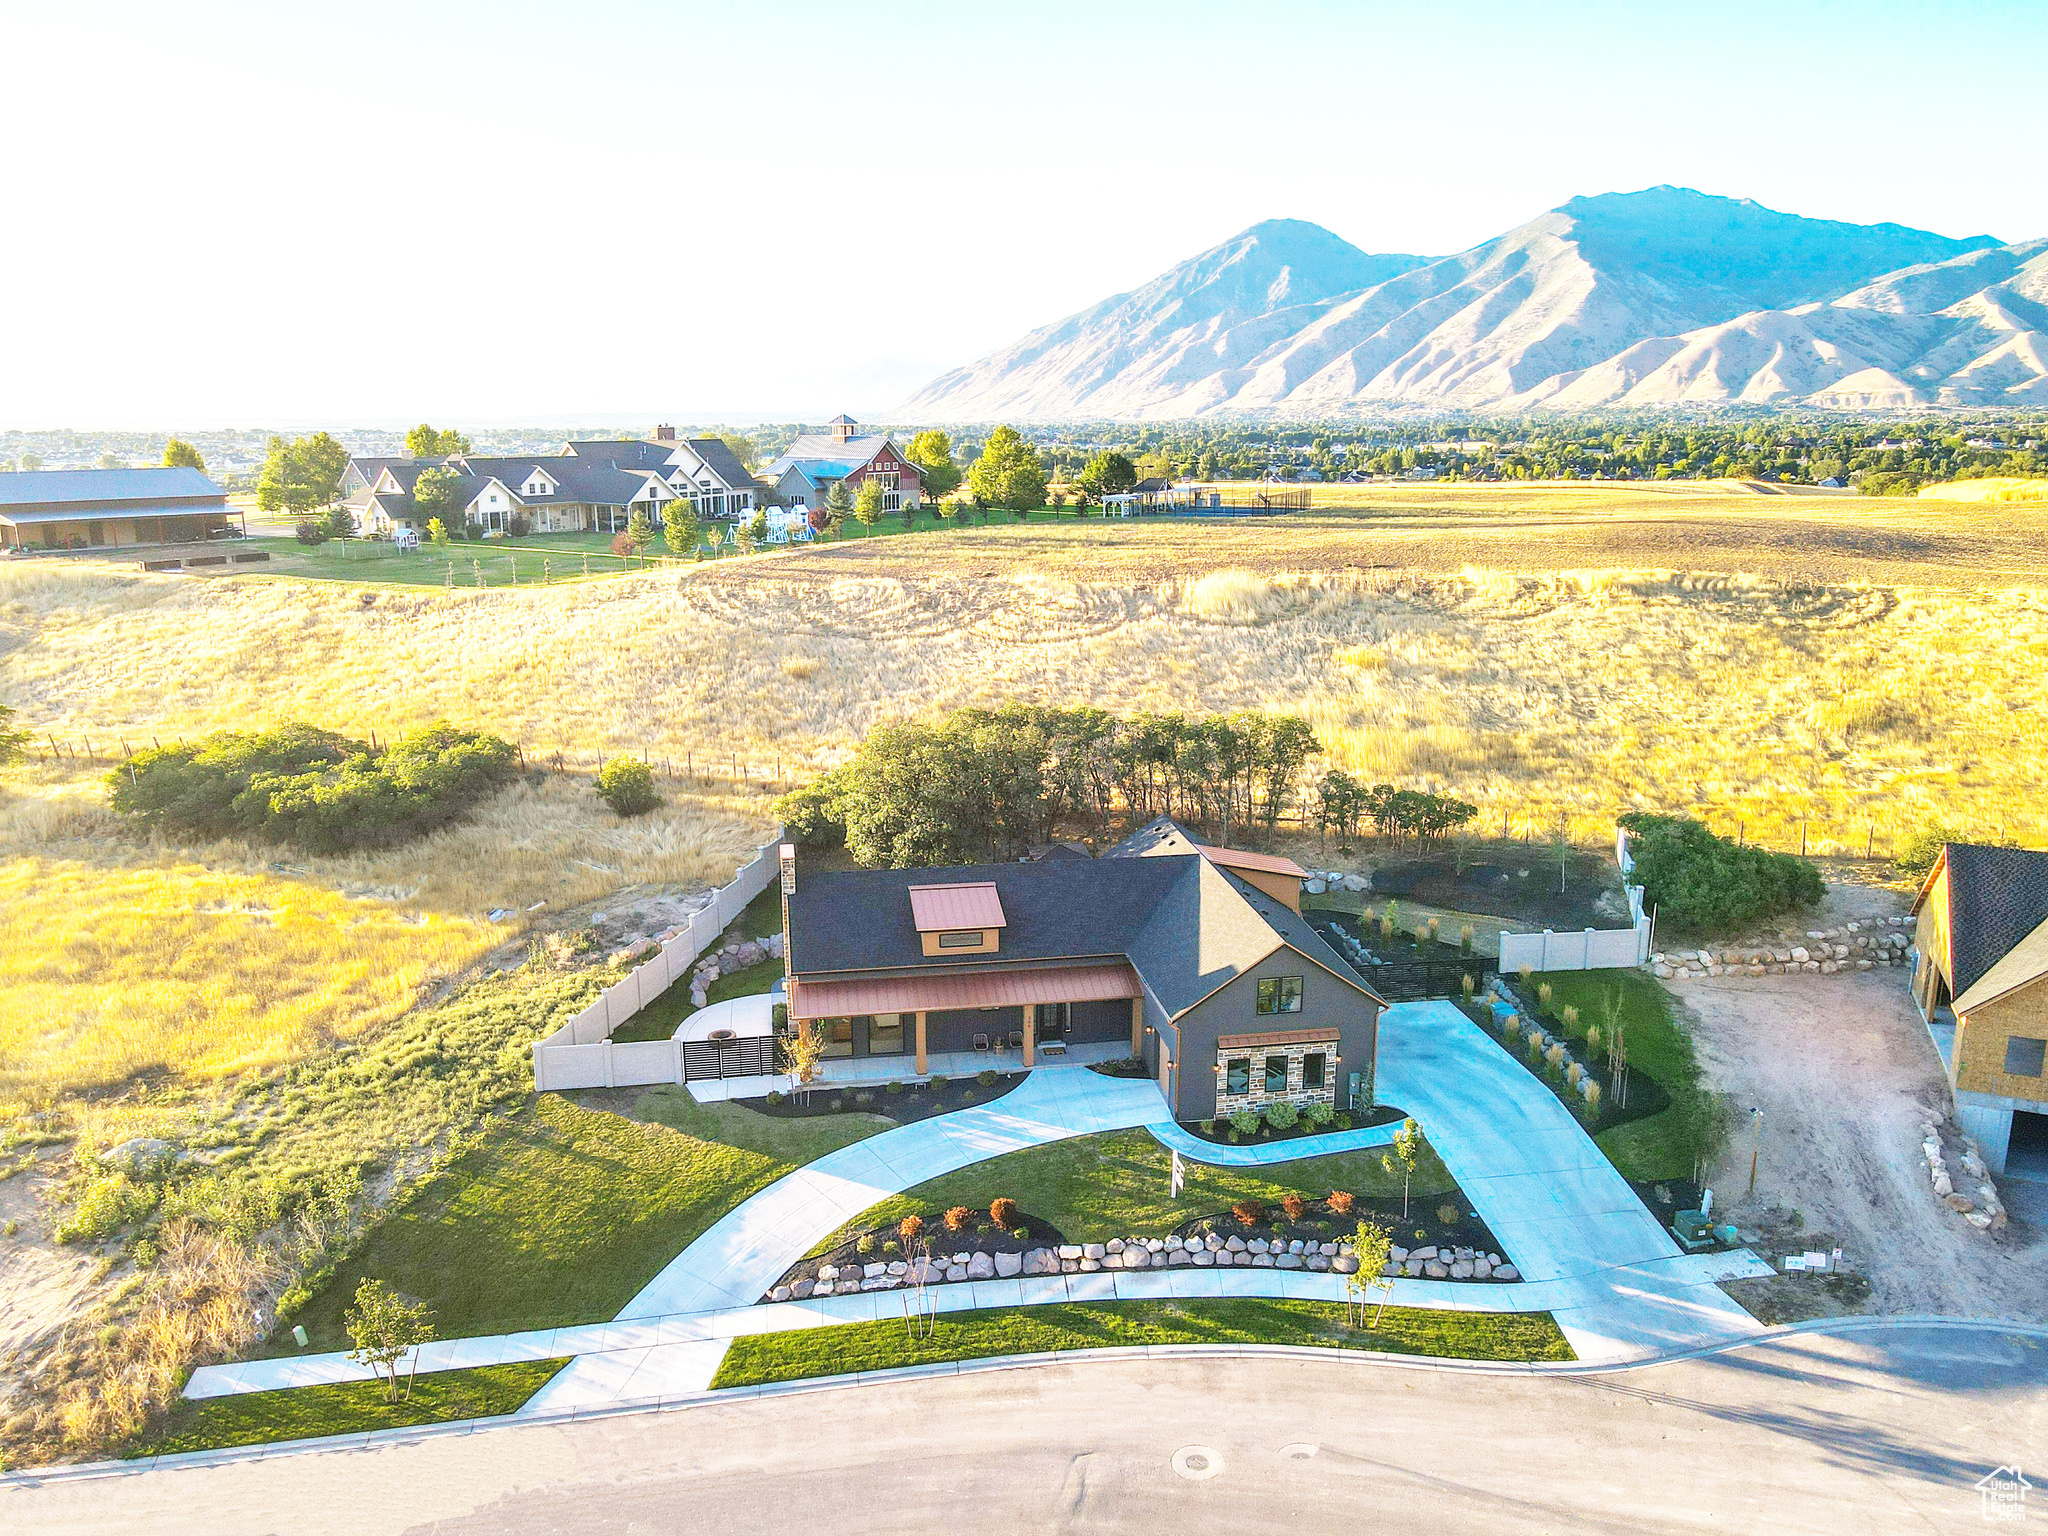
(1845, 1075)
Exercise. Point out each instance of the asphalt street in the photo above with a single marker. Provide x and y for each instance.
(1866, 1433)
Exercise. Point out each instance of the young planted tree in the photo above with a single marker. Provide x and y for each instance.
(627, 785)
(932, 452)
(639, 533)
(838, 505)
(804, 1049)
(867, 506)
(384, 1327)
(1373, 1246)
(1009, 473)
(1401, 1157)
(680, 529)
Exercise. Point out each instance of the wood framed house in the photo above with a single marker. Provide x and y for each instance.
(1980, 978)
(1193, 959)
(805, 472)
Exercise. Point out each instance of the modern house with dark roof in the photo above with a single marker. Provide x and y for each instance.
(1980, 977)
(106, 508)
(590, 486)
(805, 472)
(1191, 958)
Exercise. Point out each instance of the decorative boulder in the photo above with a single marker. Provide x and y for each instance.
(1096, 1250)
(1203, 1258)
(801, 1290)
(1314, 887)
(1288, 1261)
(1344, 1264)
(1506, 1272)
(956, 1272)
(1114, 1245)
(1070, 1250)
(1179, 1256)
(779, 1293)
(1008, 1264)
(1436, 1270)
(981, 1267)
(828, 1272)
(1262, 1261)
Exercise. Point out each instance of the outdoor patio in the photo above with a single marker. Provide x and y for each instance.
(1052, 1056)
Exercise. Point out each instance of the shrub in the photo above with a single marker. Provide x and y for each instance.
(1591, 1089)
(627, 785)
(314, 789)
(1918, 851)
(1244, 1122)
(109, 1204)
(310, 530)
(1569, 1017)
(1341, 1202)
(774, 1098)
(866, 1243)
(892, 1247)
(1209, 1127)
(967, 1096)
(1022, 1234)
(1447, 1214)
(985, 1229)
(1319, 1115)
(1704, 882)
(957, 1218)
(864, 1097)
(1250, 1212)
(1294, 1206)
(986, 1078)
(1282, 1116)
(1545, 995)
(937, 1083)
(1003, 1211)
(893, 1088)
(622, 544)
(1343, 1122)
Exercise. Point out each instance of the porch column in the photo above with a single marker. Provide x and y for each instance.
(920, 1045)
(1137, 1028)
(1030, 1033)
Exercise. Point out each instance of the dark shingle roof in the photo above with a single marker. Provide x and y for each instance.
(626, 452)
(723, 461)
(1997, 896)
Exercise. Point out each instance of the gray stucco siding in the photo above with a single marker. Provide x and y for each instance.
(1326, 1002)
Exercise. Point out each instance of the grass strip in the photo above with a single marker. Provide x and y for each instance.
(351, 1407)
(801, 1354)
(1116, 1183)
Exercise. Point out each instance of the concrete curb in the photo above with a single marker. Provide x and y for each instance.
(375, 1439)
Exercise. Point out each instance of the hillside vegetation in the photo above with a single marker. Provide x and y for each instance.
(2001, 488)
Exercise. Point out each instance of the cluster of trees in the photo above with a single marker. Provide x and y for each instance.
(313, 789)
(301, 474)
(1009, 473)
(1705, 884)
(981, 785)
(426, 442)
(1342, 804)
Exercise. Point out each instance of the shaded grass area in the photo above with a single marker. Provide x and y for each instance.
(1114, 1184)
(563, 1212)
(346, 1408)
(803, 1353)
(1668, 1144)
(659, 1019)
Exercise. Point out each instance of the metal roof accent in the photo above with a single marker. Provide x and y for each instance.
(56, 487)
(1277, 1037)
(1263, 863)
(950, 907)
(936, 993)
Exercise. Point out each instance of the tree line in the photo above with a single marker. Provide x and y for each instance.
(1343, 804)
(986, 785)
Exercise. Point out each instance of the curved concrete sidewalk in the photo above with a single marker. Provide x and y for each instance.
(1170, 1133)
(746, 1250)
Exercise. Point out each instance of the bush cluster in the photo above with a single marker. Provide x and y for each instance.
(311, 788)
(627, 785)
(1703, 882)
(1282, 1116)
(1003, 1211)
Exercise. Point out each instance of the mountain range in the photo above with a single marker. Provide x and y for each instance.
(1655, 299)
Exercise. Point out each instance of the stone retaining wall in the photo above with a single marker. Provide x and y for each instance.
(1818, 952)
(1145, 1253)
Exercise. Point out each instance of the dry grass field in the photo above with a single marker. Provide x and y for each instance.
(125, 956)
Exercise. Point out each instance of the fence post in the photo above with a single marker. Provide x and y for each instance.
(1586, 954)
(610, 1077)
(1546, 951)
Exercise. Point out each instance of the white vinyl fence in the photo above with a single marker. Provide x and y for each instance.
(581, 1054)
(1590, 949)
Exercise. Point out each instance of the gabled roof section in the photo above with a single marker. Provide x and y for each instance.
(625, 452)
(722, 462)
(2026, 961)
(834, 458)
(970, 904)
(1163, 834)
(55, 487)
(1996, 898)
(1259, 863)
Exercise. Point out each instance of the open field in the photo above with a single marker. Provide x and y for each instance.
(799, 1354)
(1880, 665)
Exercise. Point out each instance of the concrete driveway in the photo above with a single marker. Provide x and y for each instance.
(1559, 1208)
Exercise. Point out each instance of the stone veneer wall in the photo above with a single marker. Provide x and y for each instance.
(1259, 1098)
(1819, 952)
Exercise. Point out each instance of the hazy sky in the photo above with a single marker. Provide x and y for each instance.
(523, 212)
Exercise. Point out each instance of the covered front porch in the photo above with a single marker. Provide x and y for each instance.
(989, 1017)
(872, 1071)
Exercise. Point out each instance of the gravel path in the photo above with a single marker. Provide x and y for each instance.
(1845, 1075)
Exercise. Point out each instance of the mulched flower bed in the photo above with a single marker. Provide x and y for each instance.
(1646, 1096)
(1446, 1221)
(1220, 1133)
(901, 1102)
(980, 1235)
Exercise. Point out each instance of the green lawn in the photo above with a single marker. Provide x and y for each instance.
(1665, 1145)
(1114, 1184)
(563, 1212)
(304, 1413)
(658, 1020)
(802, 1353)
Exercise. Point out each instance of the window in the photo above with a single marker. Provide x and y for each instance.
(1280, 994)
(837, 1035)
(2023, 1056)
(1276, 1074)
(1237, 1075)
(1312, 1067)
(969, 940)
(885, 1034)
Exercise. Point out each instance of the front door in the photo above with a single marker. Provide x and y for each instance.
(1054, 1021)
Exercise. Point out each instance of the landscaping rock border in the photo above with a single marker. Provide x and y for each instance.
(1817, 952)
(1981, 1208)
(1135, 1253)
